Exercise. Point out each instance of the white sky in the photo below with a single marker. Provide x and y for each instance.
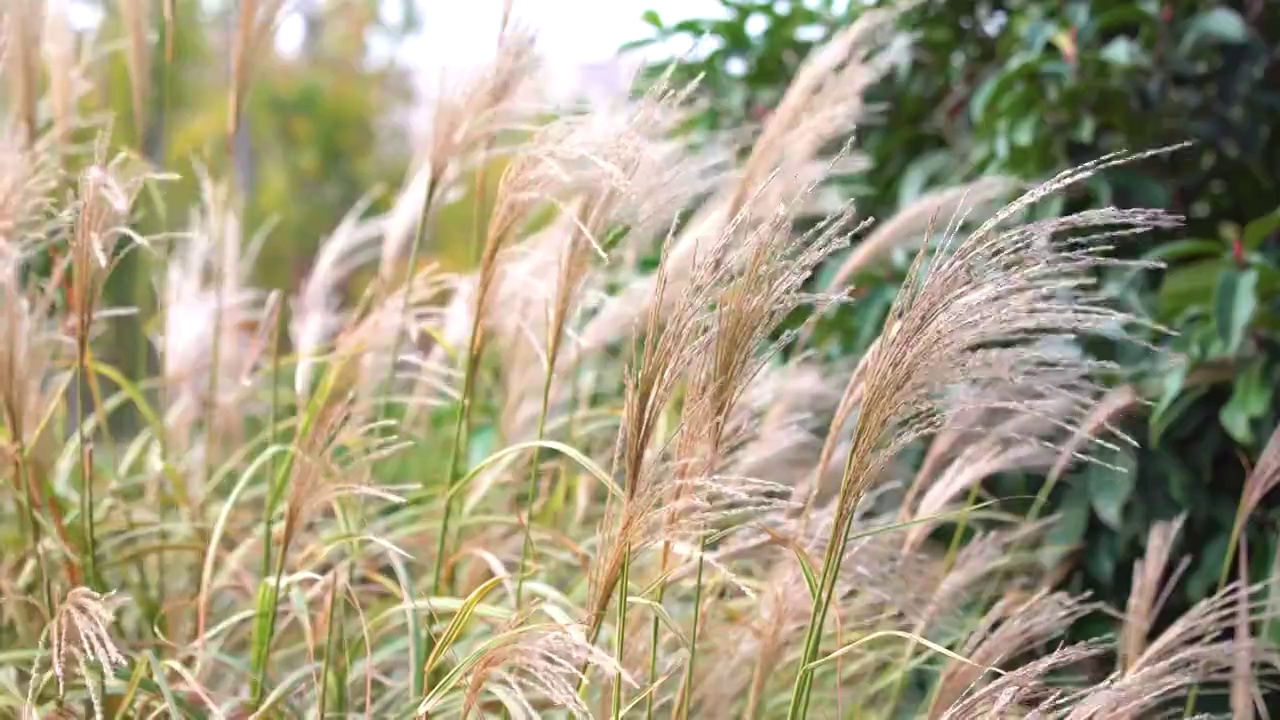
(569, 31)
(461, 33)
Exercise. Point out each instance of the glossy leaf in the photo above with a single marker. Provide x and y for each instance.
(1234, 303)
(1251, 396)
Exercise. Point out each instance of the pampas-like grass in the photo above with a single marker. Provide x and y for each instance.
(558, 484)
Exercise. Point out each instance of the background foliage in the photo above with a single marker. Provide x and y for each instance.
(1028, 89)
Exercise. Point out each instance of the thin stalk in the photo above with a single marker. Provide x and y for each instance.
(654, 633)
(597, 622)
(687, 689)
(620, 638)
(531, 488)
(799, 705)
(268, 596)
(908, 653)
(37, 499)
(272, 425)
(211, 404)
(262, 645)
(21, 476)
(323, 689)
(1233, 542)
(86, 464)
(419, 235)
(460, 424)
(756, 691)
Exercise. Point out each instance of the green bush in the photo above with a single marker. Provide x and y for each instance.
(1027, 89)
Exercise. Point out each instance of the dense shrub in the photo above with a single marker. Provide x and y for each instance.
(1026, 89)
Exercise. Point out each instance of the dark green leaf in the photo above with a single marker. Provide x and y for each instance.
(1250, 398)
(1124, 51)
(480, 445)
(1206, 568)
(1257, 231)
(1173, 402)
(1069, 530)
(1184, 250)
(1234, 302)
(1110, 487)
(1188, 285)
(1219, 25)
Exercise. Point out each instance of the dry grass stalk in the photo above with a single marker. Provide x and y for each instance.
(1109, 408)
(23, 23)
(1014, 625)
(256, 22)
(914, 222)
(209, 304)
(1149, 590)
(136, 16)
(978, 328)
(66, 81)
(533, 667)
(79, 634)
(467, 119)
(1188, 652)
(821, 104)
(1264, 477)
(1245, 687)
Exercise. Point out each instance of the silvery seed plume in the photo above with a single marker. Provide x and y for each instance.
(102, 206)
(399, 323)
(986, 555)
(880, 588)
(67, 82)
(468, 118)
(23, 23)
(1027, 691)
(79, 635)
(608, 169)
(821, 104)
(29, 174)
(1014, 625)
(317, 308)
(332, 461)
(671, 343)
(1264, 477)
(29, 359)
(912, 223)
(777, 424)
(1114, 403)
(989, 320)
(532, 668)
(769, 268)
(1149, 590)
(1022, 442)
(208, 300)
(1192, 650)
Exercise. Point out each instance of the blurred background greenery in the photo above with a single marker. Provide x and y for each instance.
(1027, 89)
